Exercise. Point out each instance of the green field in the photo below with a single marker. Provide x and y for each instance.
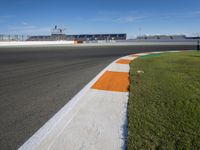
(164, 102)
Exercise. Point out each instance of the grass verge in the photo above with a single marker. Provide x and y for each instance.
(164, 105)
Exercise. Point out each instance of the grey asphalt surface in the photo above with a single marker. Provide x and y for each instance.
(36, 82)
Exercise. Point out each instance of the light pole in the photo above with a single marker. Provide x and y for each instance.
(140, 32)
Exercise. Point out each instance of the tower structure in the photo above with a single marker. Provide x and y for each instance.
(58, 33)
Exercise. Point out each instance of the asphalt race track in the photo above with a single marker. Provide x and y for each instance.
(36, 82)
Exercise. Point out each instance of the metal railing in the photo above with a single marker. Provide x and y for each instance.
(8, 37)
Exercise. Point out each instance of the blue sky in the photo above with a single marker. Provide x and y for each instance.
(100, 16)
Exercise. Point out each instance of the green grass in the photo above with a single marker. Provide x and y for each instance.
(164, 106)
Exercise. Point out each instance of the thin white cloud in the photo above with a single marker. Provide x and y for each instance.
(29, 29)
(5, 18)
(130, 19)
(195, 13)
(174, 15)
(24, 23)
(118, 17)
(131, 16)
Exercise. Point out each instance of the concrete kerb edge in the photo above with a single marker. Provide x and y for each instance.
(45, 130)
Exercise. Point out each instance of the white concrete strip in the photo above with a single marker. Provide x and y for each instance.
(34, 43)
(60, 43)
(72, 43)
(142, 54)
(129, 57)
(119, 67)
(173, 51)
(98, 125)
(157, 52)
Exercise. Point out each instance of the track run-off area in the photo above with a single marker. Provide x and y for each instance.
(36, 82)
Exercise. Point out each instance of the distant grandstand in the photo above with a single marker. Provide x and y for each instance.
(57, 33)
(81, 37)
(162, 37)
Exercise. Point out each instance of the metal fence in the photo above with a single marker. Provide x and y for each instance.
(5, 37)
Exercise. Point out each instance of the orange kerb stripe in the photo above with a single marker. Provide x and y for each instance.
(124, 61)
(113, 81)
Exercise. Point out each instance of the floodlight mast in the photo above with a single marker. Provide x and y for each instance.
(58, 33)
(57, 30)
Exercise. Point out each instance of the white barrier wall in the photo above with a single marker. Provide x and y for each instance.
(35, 43)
